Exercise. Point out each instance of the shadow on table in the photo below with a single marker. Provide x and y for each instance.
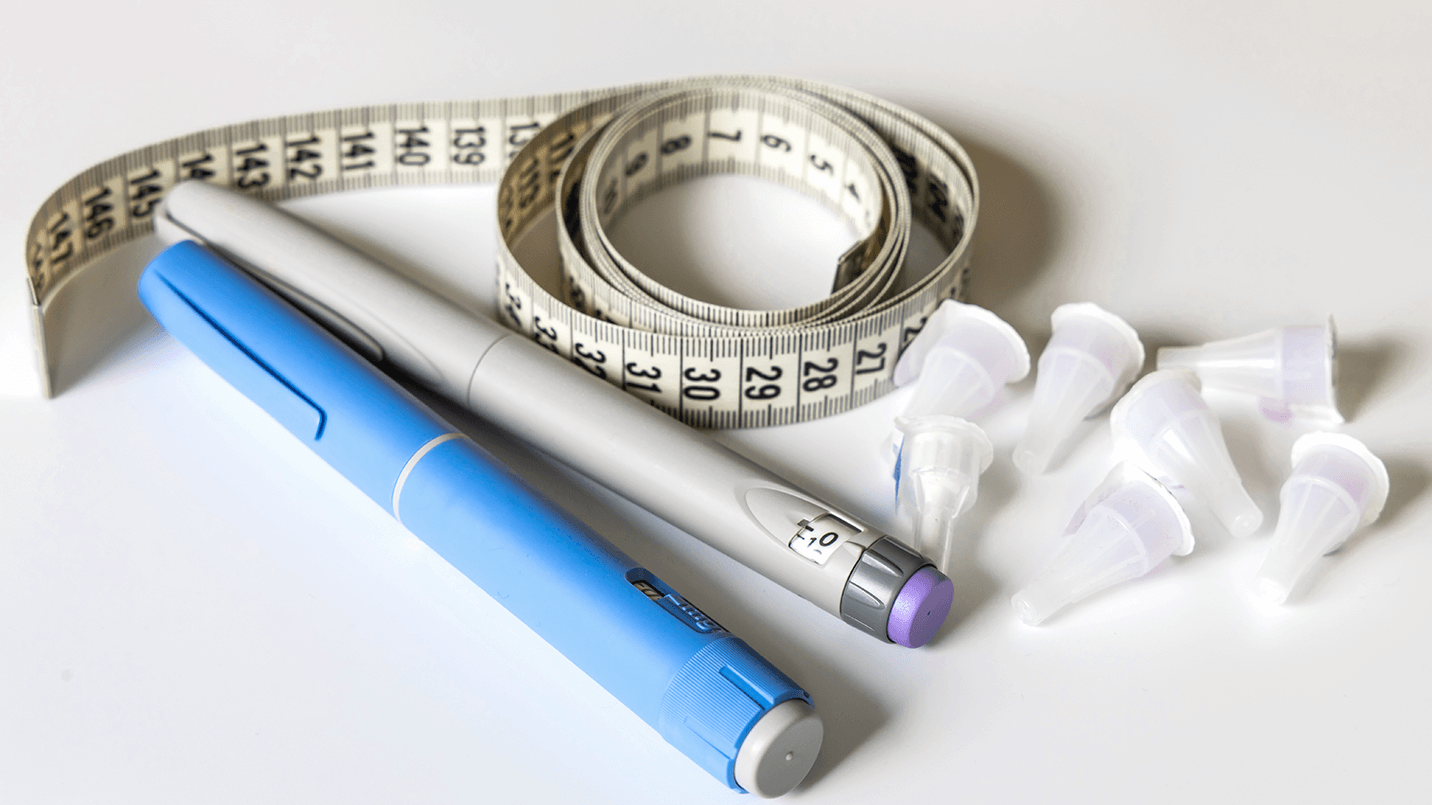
(1365, 366)
(1019, 227)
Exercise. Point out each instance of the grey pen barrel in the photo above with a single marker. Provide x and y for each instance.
(821, 553)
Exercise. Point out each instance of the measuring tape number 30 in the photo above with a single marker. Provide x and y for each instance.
(587, 157)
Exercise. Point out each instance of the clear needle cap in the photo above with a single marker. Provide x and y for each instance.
(961, 359)
(1092, 356)
(941, 461)
(1126, 527)
(1177, 437)
(1292, 370)
(1337, 487)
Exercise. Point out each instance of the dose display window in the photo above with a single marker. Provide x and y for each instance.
(819, 539)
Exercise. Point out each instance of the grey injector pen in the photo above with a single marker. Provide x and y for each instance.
(822, 554)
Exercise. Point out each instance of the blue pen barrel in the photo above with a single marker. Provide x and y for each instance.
(697, 684)
(700, 687)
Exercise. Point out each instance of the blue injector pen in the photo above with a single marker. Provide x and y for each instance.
(707, 692)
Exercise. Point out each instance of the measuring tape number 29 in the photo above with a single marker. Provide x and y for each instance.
(587, 157)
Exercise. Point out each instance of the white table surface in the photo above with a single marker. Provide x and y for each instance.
(195, 609)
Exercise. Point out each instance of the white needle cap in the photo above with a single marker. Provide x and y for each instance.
(1165, 421)
(1091, 357)
(1126, 527)
(1293, 370)
(961, 359)
(1337, 487)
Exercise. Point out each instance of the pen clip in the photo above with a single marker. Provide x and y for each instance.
(217, 346)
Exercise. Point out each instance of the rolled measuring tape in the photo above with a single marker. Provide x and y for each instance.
(588, 157)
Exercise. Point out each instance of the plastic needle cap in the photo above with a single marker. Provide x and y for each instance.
(1126, 527)
(1292, 370)
(1091, 358)
(961, 359)
(1337, 487)
(1164, 419)
(941, 460)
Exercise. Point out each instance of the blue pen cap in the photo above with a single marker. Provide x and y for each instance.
(716, 700)
(320, 391)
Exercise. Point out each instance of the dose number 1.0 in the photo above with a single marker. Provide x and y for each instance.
(818, 539)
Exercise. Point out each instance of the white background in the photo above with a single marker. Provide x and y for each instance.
(195, 609)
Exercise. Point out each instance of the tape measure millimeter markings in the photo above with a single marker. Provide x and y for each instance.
(588, 157)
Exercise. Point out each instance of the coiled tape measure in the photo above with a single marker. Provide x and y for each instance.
(588, 156)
